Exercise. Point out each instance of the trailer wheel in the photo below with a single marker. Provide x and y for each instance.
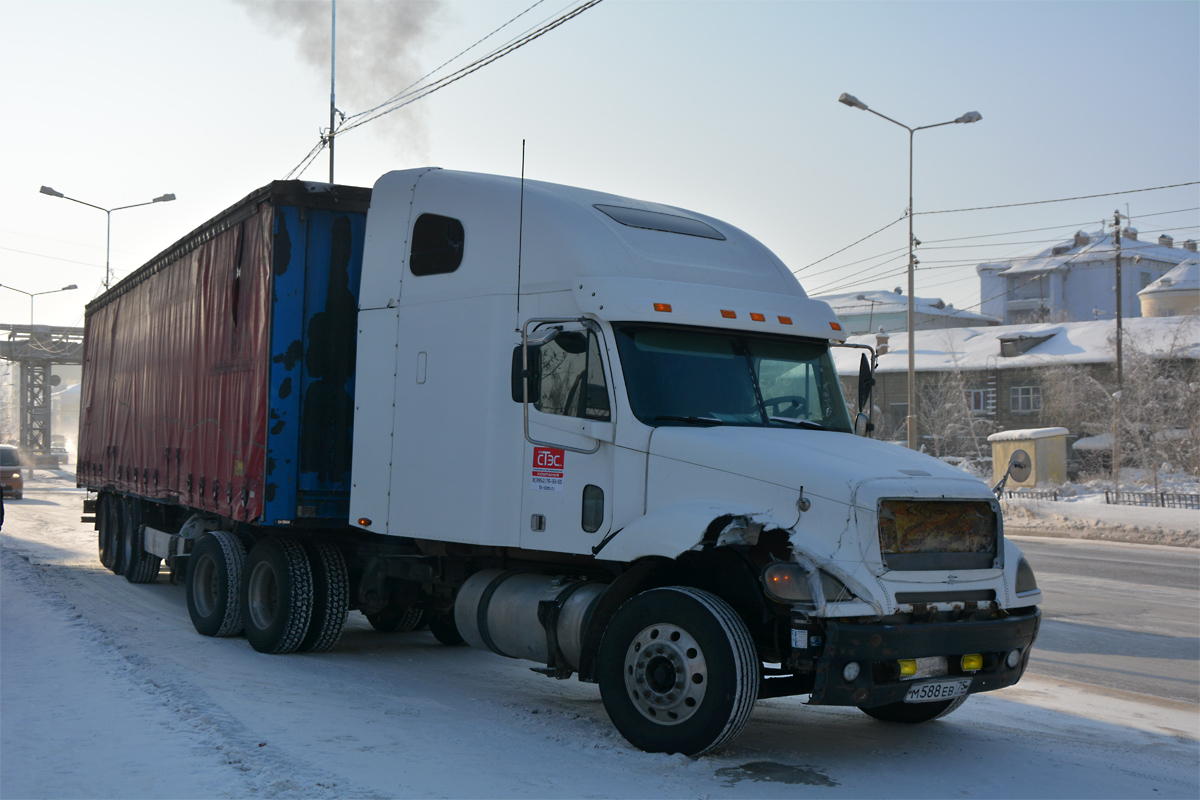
(104, 529)
(110, 537)
(444, 630)
(678, 672)
(331, 597)
(399, 620)
(142, 567)
(277, 596)
(914, 713)
(214, 584)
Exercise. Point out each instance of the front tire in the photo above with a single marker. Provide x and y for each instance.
(678, 672)
(277, 596)
(914, 713)
(214, 584)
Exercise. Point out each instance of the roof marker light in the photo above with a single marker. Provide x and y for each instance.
(837, 326)
(785, 320)
(662, 307)
(754, 315)
(728, 314)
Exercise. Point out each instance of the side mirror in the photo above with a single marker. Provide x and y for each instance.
(866, 382)
(535, 373)
(862, 425)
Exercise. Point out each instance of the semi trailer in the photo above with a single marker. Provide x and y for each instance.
(595, 433)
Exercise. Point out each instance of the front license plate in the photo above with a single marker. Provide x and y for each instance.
(937, 690)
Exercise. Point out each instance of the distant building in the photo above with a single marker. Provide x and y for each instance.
(1175, 294)
(867, 312)
(1000, 369)
(1074, 280)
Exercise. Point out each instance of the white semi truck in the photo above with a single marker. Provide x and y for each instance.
(595, 433)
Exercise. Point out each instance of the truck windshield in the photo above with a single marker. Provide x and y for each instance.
(688, 376)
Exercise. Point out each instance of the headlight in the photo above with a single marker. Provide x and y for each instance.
(1026, 582)
(787, 582)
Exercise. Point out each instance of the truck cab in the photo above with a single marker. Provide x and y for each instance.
(594, 389)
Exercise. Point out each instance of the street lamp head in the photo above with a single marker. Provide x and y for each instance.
(970, 116)
(854, 102)
(68, 288)
(166, 198)
(51, 192)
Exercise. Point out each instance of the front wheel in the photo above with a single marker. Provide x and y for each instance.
(914, 713)
(678, 672)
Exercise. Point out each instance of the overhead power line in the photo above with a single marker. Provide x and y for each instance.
(1059, 200)
(847, 247)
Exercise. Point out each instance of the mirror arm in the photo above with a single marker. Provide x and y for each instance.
(525, 381)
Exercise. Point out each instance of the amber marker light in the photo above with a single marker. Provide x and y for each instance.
(785, 320)
(364, 522)
(837, 326)
(754, 315)
(728, 314)
(663, 307)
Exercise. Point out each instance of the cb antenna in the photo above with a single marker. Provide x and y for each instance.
(520, 233)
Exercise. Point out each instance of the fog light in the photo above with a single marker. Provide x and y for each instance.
(1013, 659)
(972, 663)
(908, 667)
(850, 671)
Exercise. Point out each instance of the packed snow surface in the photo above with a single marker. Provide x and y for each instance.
(107, 691)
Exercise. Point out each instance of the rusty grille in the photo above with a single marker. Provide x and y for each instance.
(937, 534)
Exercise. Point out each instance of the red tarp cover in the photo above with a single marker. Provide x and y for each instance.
(174, 397)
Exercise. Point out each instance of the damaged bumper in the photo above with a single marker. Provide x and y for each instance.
(876, 649)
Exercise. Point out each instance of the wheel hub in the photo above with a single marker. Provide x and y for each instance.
(665, 674)
(263, 595)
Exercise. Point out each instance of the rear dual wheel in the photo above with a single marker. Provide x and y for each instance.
(140, 566)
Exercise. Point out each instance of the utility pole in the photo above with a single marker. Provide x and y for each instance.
(332, 75)
(1117, 246)
(1116, 454)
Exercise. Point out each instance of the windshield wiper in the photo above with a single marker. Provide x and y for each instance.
(800, 423)
(691, 420)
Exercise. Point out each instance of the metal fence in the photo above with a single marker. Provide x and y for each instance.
(1031, 494)
(1158, 500)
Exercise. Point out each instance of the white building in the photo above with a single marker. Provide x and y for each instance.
(867, 312)
(1075, 280)
(1175, 294)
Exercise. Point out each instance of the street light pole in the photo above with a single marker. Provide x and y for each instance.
(32, 295)
(166, 198)
(970, 116)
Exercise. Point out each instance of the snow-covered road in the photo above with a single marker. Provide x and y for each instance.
(107, 691)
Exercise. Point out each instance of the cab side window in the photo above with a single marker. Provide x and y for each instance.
(437, 245)
(571, 377)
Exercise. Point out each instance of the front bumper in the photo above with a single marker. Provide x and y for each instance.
(877, 647)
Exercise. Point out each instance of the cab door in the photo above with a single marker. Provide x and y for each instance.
(566, 490)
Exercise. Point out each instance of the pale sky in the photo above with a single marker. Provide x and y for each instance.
(726, 108)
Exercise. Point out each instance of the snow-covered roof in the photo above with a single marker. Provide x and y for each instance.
(1185, 277)
(978, 348)
(1094, 443)
(879, 301)
(1027, 433)
(1093, 246)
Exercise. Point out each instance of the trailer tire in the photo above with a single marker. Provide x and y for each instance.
(277, 595)
(678, 671)
(331, 597)
(399, 620)
(214, 584)
(104, 529)
(110, 538)
(914, 713)
(444, 630)
(142, 567)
